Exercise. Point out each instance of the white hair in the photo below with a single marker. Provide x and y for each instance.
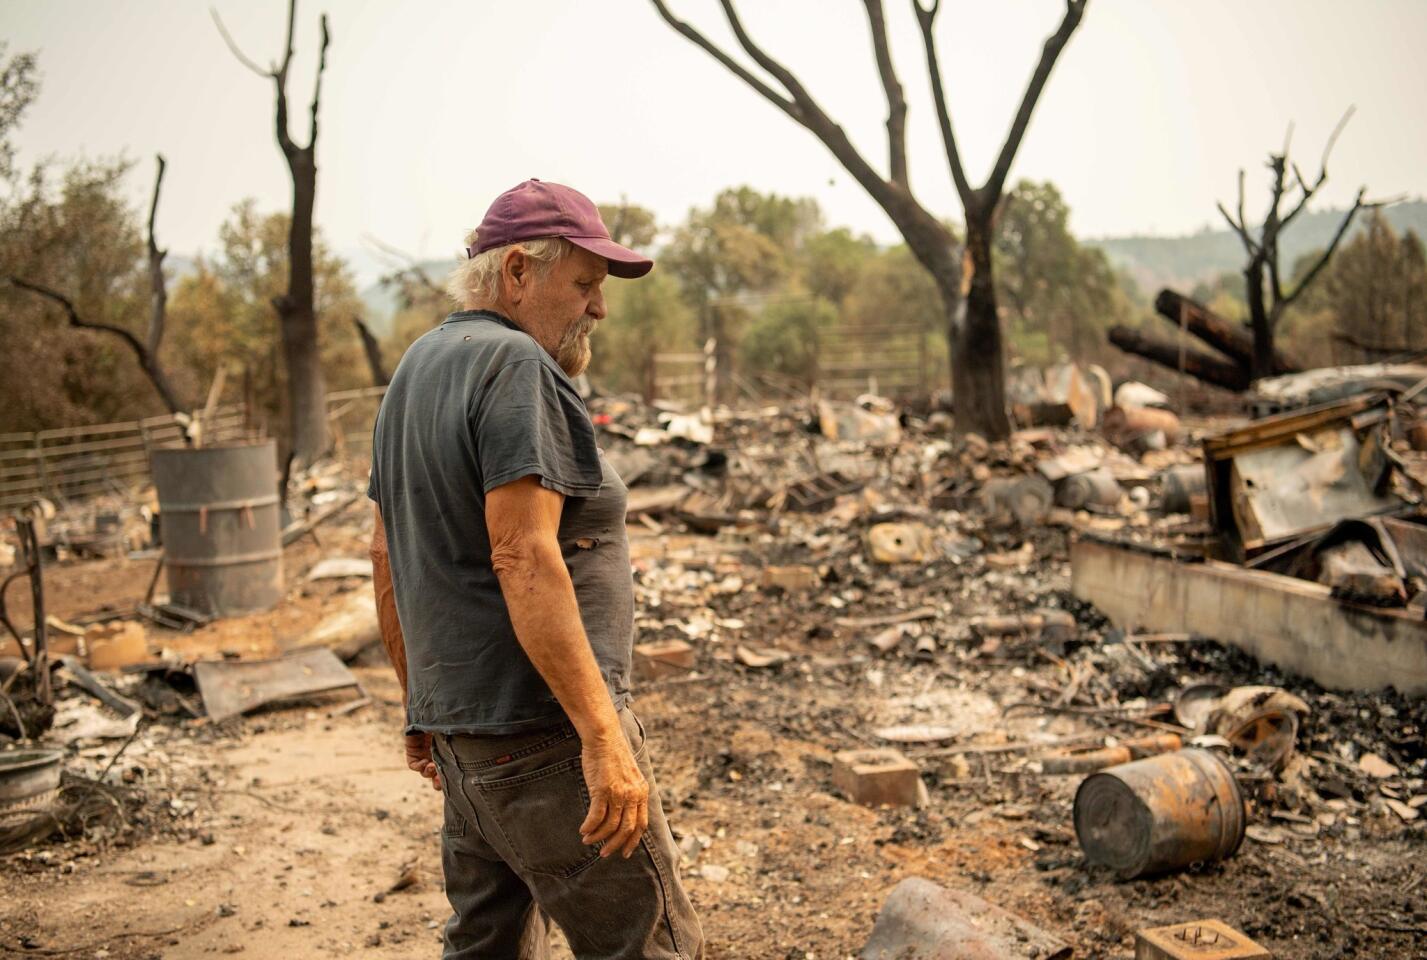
(478, 279)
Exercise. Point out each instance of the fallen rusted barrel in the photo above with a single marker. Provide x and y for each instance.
(1180, 485)
(1098, 488)
(1160, 814)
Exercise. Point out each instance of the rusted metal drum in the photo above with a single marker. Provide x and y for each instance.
(1181, 483)
(1097, 488)
(1160, 814)
(29, 784)
(222, 536)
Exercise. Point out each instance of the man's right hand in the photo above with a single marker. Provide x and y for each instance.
(418, 757)
(619, 796)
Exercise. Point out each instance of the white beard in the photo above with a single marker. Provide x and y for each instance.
(573, 354)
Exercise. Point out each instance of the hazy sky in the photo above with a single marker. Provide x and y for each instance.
(430, 109)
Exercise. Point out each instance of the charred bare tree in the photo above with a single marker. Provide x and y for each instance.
(373, 350)
(146, 351)
(1234, 340)
(1263, 284)
(297, 316)
(963, 277)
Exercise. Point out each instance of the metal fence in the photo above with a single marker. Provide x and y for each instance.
(74, 463)
(351, 414)
(890, 360)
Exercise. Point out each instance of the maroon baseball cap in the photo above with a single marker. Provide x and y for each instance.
(536, 209)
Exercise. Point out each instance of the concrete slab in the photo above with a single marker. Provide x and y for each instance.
(1290, 623)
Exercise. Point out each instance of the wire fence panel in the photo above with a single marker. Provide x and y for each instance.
(73, 463)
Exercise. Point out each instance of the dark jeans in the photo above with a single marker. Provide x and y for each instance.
(513, 857)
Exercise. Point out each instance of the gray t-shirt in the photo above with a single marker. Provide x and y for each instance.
(475, 404)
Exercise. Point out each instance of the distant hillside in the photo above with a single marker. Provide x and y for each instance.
(1181, 262)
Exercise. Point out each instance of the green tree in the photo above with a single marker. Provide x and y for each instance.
(1061, 296)
(744, 243)
(19, 85)
(831, 263)
(894, 291)
(785, 338)
(629, 224)
(645, 317)
(1371, 303)
(75, 234)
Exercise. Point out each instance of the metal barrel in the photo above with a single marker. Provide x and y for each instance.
(1181, 483)
(222, 537)
(29, 783)
(1160, 814)
(1097, 488)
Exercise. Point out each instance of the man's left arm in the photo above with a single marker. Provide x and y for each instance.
(418, 745)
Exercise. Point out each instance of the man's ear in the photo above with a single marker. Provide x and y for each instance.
(515, 275)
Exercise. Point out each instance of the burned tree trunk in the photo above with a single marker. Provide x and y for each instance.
(1263, 284)
(1195, 362)
(373, 350)
(1234, 340)
(297, 317)
(979, 375)
(973, 324)
(306, 383)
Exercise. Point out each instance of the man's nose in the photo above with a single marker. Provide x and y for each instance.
(596, 306)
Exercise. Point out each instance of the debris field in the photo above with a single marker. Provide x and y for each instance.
(902, 688)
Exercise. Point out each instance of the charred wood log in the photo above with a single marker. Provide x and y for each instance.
(1232, 339)
(1190, 360)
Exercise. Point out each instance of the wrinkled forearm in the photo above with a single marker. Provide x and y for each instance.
(541, 601)
(387, 620)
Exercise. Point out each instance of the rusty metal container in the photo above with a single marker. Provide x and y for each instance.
(1160, 814)
(29, 783)
(1097, 488)
(1182, 483)
(222, 535)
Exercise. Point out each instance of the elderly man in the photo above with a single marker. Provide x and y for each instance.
(506, 602)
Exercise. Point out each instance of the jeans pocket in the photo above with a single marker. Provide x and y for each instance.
(452, 823)
(539, 814)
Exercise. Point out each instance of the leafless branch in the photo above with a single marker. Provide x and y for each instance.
(896, 102)
(1268, 234)
(317, 87)
(709, 47)
(805, 110)
(236, 51)
(926, 19)
(1312, 274)
(1074, 10)
(158, 290)
(146, 360)
(1333, 138)
(1310, 189)
(287, 47)
(373, 352)
(780, 73)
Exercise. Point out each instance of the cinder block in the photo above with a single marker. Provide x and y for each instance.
(1200, 940)
(876, 777)
(792, 579)
(663, 658)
